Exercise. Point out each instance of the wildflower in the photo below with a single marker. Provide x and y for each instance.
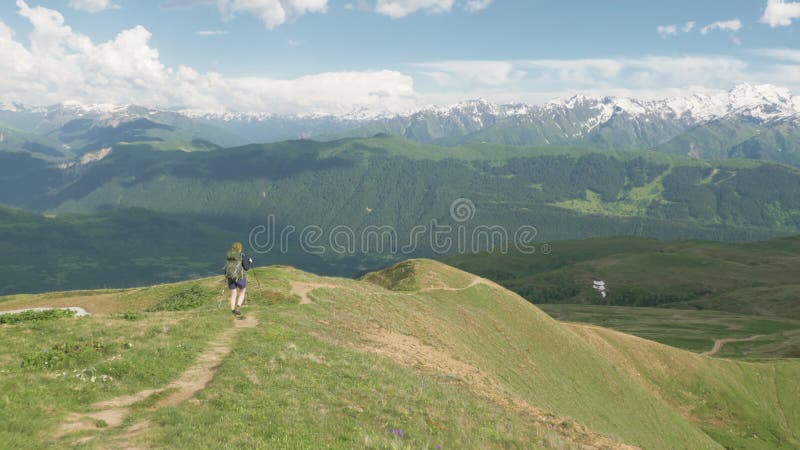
(397, 432)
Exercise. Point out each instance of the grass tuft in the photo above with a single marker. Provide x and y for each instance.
(34, 316)
(185, 299)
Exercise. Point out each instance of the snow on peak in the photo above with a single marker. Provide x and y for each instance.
(99, 108)
(570, 103)
(761, 102)
(765, 102)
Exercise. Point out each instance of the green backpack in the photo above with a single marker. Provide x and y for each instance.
(233, 266)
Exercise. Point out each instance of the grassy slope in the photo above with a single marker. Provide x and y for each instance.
(756, 402)
(758, 278)
(438, 359)
(61, 357)
(715, 290)
(692, 329)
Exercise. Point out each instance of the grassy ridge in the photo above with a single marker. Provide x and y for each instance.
(428, 365)
(755, 278)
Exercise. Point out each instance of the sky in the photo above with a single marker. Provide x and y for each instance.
(386, 56)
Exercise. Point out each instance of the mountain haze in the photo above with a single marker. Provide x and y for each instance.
(750, 121)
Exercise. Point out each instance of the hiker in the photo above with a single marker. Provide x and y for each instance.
(236, 266)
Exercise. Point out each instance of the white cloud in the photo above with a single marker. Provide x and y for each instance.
(212, 32)
(536, 80)
(294, 43)
(781, 54)
(780, 13)
(397, 9)
(272, 13)
(58, 64)
(92, 6)
(477, 5)
(727, 25)
(667, 30)
(186, 3)
(62, 65)
(473, 73)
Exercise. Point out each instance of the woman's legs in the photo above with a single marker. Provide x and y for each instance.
(241, 297)
(233, 299)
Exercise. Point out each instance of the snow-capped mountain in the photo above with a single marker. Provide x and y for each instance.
(760, 102)
(763, 103)
(708, 124)
(705, 124)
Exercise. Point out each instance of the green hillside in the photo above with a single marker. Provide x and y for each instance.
(360, 184)
(85, 135)
(117, 248)
(563, 192)
(712, 290)
(326, 362)
(13, 140)
(646, 272)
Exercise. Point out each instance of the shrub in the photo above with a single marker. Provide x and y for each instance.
(128, 315)
(185, 299)
(32, 316)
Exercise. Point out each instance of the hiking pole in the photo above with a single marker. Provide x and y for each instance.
(258, 283)
(222, 294)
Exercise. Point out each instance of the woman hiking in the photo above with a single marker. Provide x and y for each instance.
(236, 266)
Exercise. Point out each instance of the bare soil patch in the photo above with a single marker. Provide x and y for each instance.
(719, 343)
(302, 289)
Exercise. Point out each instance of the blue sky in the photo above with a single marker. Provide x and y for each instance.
(331, 56)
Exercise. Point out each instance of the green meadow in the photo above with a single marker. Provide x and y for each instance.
(420, 355)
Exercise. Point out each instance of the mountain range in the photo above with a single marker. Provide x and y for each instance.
(750, 121)
(368, 184)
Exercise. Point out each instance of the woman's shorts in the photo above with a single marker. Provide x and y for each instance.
(241, 284)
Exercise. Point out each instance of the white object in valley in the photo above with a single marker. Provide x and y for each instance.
(600, 286)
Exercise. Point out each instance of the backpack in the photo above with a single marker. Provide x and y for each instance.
(233, 266)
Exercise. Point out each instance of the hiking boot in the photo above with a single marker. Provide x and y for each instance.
(236, 312)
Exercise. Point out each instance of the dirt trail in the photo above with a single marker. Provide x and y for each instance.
(112, 413)
(301, 289)
(718, 343)
(475, 281)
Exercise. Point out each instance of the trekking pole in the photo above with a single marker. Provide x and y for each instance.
(221, 296)
(258, 283)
